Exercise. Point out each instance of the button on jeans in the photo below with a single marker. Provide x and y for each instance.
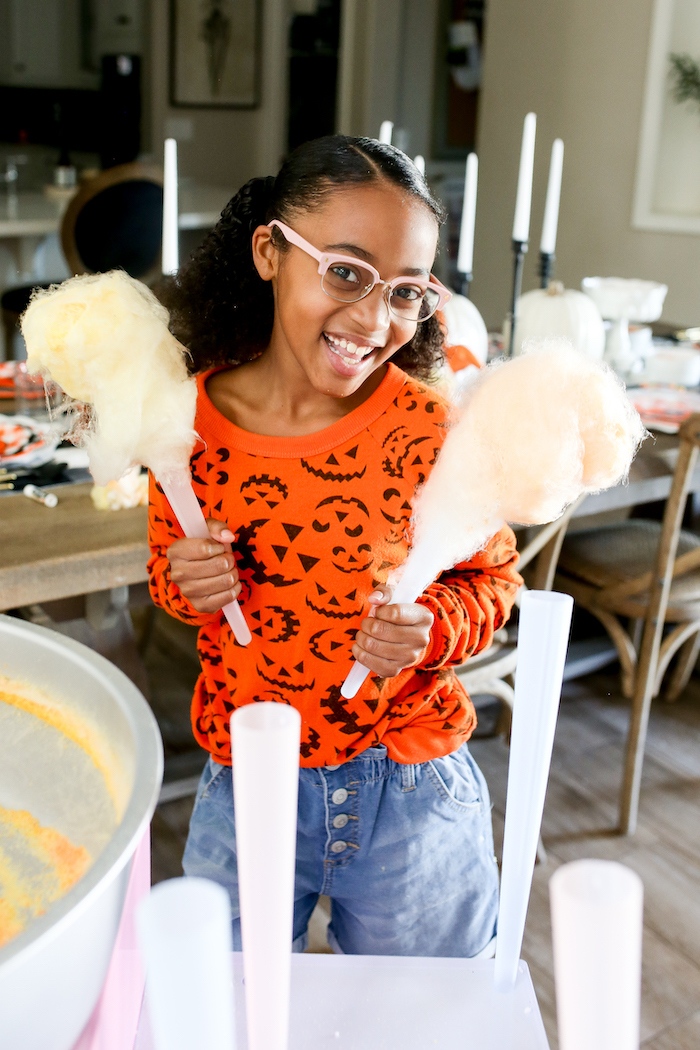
(405, 852)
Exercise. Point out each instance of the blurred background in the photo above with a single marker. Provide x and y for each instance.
(89, 84)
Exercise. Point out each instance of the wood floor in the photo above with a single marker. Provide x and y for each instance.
(579, 818)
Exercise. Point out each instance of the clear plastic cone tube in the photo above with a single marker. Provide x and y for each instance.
(265, 749)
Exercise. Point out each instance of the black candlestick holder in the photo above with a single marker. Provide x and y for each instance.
(519, 250)
(464, 281)
(546, 268)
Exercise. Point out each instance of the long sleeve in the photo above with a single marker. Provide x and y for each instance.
(471, 601)
(164, 529)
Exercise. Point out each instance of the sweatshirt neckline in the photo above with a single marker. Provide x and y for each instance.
(212, 422)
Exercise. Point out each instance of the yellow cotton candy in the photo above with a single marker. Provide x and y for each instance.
(104, 339)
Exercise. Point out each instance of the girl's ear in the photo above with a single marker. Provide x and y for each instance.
(265, 254)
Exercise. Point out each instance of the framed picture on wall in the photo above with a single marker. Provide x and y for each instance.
(214, 53)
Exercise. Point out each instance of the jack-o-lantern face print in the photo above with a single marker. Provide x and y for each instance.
(335, 604)
(397, 511)
(275, 624)
(287, 560)
(345, 519)
(329, 645)
(343, 469)
(265, 491)
(402, 449)
(288, 680)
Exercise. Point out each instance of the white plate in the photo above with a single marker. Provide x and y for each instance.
(44, 441)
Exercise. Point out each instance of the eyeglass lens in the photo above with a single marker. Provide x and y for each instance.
(350, 282)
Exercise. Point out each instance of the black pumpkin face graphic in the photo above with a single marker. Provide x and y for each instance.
(401, 449)
(289, 680)
(347, 519)
(336, 604)
(261, 491)
(397, 512)
(287, 561)
(326, 644)
(340, 467)
(275, 624)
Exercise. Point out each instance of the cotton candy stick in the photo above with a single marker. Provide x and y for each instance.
(265, 750)
(181, 497)
(543, 637)
(596, 910)
(534, 433)
(184, 928)
(104, 339)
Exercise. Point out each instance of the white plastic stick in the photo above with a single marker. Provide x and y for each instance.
(181, 497)
(170, 244)
(184, 928)
(265, 748)
(420, 569)
(597, 936)
(543, 635)
(419, 161)
(386, 131)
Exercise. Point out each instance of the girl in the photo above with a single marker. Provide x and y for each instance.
(310, 314)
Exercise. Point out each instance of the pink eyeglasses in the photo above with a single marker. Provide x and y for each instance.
(348, 280)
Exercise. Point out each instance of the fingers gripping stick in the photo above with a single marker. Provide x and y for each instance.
(182, 499)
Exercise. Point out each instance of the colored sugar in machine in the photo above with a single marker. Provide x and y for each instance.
(80, 771)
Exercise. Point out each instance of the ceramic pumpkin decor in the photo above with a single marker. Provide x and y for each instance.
(558, 312)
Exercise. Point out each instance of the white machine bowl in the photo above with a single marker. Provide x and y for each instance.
(51, 974)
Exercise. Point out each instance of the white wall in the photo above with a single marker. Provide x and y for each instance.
(581, 67)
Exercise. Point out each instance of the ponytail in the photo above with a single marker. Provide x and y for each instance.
(222, 310)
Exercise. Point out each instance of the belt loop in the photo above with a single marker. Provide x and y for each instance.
(408, 778)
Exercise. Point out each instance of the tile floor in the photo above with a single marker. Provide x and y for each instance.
(579, 821)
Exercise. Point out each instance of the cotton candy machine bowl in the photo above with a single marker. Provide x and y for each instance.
(80, 764)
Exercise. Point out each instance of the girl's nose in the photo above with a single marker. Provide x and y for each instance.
(373, 312)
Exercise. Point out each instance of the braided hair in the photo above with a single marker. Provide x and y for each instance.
(220, 307)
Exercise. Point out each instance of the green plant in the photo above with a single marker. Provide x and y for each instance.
(685, 78)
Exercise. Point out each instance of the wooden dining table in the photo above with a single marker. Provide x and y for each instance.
(72, 549)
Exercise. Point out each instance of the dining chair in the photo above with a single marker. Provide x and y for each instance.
(114, 221)
(641, 580)
(491, 672)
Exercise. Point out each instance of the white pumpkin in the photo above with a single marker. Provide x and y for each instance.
(465, 327)
(560, 312)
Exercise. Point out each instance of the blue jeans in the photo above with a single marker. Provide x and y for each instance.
(405, 852)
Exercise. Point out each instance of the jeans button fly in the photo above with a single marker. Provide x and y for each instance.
(341, 820)
(332, 769)
(339, 796)
(338, 847)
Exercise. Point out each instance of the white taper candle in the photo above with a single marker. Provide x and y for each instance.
(465, 256)
(265, 750)
(386, 131)
(543, 636)
(523, 200)
(551, 208)
(184, 929)
(597, 937)
(170, 249)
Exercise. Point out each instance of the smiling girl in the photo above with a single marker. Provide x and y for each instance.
(310, 314)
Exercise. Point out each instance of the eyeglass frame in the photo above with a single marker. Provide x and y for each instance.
(327, 259)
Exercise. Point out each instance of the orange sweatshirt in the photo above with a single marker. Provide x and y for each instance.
(320, 520)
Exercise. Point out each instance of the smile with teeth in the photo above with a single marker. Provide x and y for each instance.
(346, 350)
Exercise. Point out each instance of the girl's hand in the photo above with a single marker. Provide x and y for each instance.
(205, 570)
(392, 637)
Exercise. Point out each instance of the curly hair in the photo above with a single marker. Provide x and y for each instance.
(222, 310)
